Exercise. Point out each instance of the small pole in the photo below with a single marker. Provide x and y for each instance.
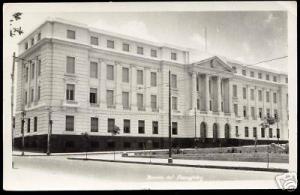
(170, 137)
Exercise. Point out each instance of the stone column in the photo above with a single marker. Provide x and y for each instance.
(271, 103)
(147, 84)
(256, 109)
(219, 95)
(35, 79)
(248, 95)
(229, 96)
(118, 88)
(133, 102)
(194, 91)
(264, 102)
(102, 80)
(207, 96)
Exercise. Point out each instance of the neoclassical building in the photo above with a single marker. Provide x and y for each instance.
(89, 80)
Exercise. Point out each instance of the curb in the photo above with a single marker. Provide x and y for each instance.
(186, 165)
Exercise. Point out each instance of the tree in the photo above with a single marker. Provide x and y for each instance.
(86, 138)
(115, 131)
(13, 29)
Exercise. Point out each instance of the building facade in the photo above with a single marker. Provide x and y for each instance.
(89, 80)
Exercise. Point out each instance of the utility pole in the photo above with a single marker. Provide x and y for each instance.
(12, 101)
(170, 138)
(49, 133)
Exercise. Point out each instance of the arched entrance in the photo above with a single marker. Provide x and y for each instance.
(227, 131)
(215, 132)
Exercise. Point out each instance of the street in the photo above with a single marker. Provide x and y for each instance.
(57, 172)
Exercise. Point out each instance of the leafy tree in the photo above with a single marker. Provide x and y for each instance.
(13, 29)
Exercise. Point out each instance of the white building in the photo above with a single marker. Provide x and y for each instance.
(88, 80)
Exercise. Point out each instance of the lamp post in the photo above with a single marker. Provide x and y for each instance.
(23, 133)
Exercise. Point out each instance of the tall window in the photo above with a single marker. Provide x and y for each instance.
(174, 128)
(234, 89)
(153, 79)
(32, 41)
(69, 123)
(125, 75)
(141, 127)
(245, 111)
(259, 75)
(71, 34)
(234, 69)
(235, 108)
(70, 65)
(26, 45)
(32, 95)
(126, 128)
(28, 125)
(237, 131)
(125, 100)
(262, 131)
(174, 103)
(278, 133)
(173, 56)
(26, 74)
(254, 132)
(110, 72)
(25, 97)
(140, 50)
(154, 127)
(174, 81)
(252, 94)
(93, 95)
(275, 114)
(244, 93)
(259, 95)
(110, 97)
(270, 132)
(246, 132)
(39, 93)
(110, 44)
(125, 47)
(140, 79)
(94, 70)
(267, 96)
(198, 104)
(32, 70)
(153, 102)
(275, 98)
(39, 67)
(70, 92)
(253, 112)
(153, 53)
(267, 77)
(94, 40)
(110, 124)
(252, 74)
(244, 72)
(274, 79)
(140, 101)
(260, 112)
(94, 124)
(35, 124)
(39, 36)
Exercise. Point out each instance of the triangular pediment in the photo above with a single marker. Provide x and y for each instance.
(215, 63)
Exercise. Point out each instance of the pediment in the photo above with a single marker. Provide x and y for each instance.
(215, 63)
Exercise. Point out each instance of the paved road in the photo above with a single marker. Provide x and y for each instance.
(57, 172)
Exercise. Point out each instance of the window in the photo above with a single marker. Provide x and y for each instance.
(234, 89)
(174, 103)
(174, 128)
(174, 81)
(153, 79)
(252, 94)
(26, 45)
(70, 65)
(32, 95)
(274, 79)
(267, 77)
(154, 127)
(173, 56)
(94, 40)
(259, 95)
(110, 44)
(125, 75)
(244, 72)
(253, 112)
(26, 74)
(252, 74)
(39, 36)
(234, 69)
(69, 123)
(270, 132)
(198, 104)
(70, 34)
(35, 124)
(274, 98)
(140, 50)
(259, 75)
(244, 93)
(268, 112)
(153, 102)
(278, 133)
(262, 131)
(39, 93)
(260, 112)
(267, 96)
(125, 47)
(28, 125)
(140, 101)
(39, 67)
(140, 79)
(125, 100)
(110, 124)
(275, 114)
(32, 41)
(94, 70)
(93, 95)
(110, 72)
(94, 124)
(25, 100)
(197, 83)
(245, 111)
(141, 126)
(110, 98)
(235, 108)
(70, 92)
(126, 128)
(32, 71)
(153, 53)
(254, 132)
(246, 132)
